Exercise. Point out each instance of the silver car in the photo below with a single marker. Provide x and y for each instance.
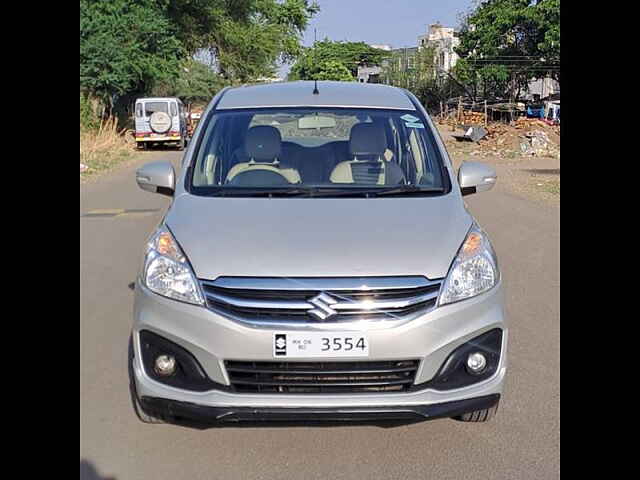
(317, 262)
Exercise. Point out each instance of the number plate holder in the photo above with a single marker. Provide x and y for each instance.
(319, 345)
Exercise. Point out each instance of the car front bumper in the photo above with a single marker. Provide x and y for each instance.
(212, 415)
(212, 339)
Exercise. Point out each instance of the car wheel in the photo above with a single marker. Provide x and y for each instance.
(483, 415)
(181, 144)
(142, 146)
(144, 416)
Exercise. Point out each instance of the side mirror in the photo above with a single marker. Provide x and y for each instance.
(476, 177)
(157, 177)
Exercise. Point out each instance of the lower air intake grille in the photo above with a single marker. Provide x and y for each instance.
(321, 377)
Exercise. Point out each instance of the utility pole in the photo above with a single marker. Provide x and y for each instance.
(485, 113)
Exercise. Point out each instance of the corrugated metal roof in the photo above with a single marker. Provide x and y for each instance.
(300, 94)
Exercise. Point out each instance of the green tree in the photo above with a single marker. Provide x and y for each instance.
(417, 71)
(130, 48)
(546, 16)
(88, 118)
(333, 70)
(315, 59)
(126, 47)
(245, 37)
(195, 82)
(506, 43)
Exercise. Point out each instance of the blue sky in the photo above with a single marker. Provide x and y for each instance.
(394, 22)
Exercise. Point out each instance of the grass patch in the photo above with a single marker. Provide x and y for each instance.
(104, 147)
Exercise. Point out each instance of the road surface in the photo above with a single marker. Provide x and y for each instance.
(522, 441)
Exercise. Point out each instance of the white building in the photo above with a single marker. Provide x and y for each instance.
(543, 88)
(444, 39)
(369, 74)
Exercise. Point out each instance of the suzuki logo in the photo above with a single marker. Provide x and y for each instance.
(323, 308)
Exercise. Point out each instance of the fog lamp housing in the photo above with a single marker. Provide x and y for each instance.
(476, 363)
(171, 364)
(165, 365)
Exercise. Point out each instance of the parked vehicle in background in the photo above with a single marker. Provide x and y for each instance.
(317, 262)
(552, 112)
(160, 120)
(194, 118)
(535, 110)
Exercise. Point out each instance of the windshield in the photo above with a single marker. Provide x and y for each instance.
(301, 151)
(151, 107)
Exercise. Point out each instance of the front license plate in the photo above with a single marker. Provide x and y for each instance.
(319, 344)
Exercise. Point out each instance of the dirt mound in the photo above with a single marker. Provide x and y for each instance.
(523, 137)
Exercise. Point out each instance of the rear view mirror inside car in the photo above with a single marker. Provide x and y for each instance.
(316, 121)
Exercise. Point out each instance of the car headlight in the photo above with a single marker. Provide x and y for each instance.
(473, 271)
(167, 271)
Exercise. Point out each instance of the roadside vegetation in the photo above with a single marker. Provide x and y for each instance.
(102, 143)
(132, 48)
(182, 48)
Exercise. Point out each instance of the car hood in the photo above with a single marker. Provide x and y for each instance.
(302, 237)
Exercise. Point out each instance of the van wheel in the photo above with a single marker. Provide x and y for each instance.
(483, 415)
(181, 144)
(142, 146)
(144, 416)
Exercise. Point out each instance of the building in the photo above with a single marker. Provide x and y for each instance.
(405, 58)
(542, 88)
(444, 39)
(371, 73)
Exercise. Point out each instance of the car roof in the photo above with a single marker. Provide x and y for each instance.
(157, 99)
(331, 94)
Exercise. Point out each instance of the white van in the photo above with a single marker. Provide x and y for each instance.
(160, 120)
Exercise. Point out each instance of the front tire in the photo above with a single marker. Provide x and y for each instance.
(144, 416)
(478, 416)
(181, 144)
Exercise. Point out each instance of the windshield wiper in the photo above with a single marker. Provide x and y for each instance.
(315, 192)
(262, 192)
(408, 190)
(398, 191)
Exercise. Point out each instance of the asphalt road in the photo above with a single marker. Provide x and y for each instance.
(522, 441)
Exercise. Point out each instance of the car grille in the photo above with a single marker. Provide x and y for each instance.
(321, 377)
(310, 300)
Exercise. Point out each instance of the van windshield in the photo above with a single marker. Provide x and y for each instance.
(316, 152)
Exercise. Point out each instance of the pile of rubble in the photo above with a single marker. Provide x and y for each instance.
(526, 136)
(537, 143)
(473, 118)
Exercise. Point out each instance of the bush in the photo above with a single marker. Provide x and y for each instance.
(88, 118)
(104, 146)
